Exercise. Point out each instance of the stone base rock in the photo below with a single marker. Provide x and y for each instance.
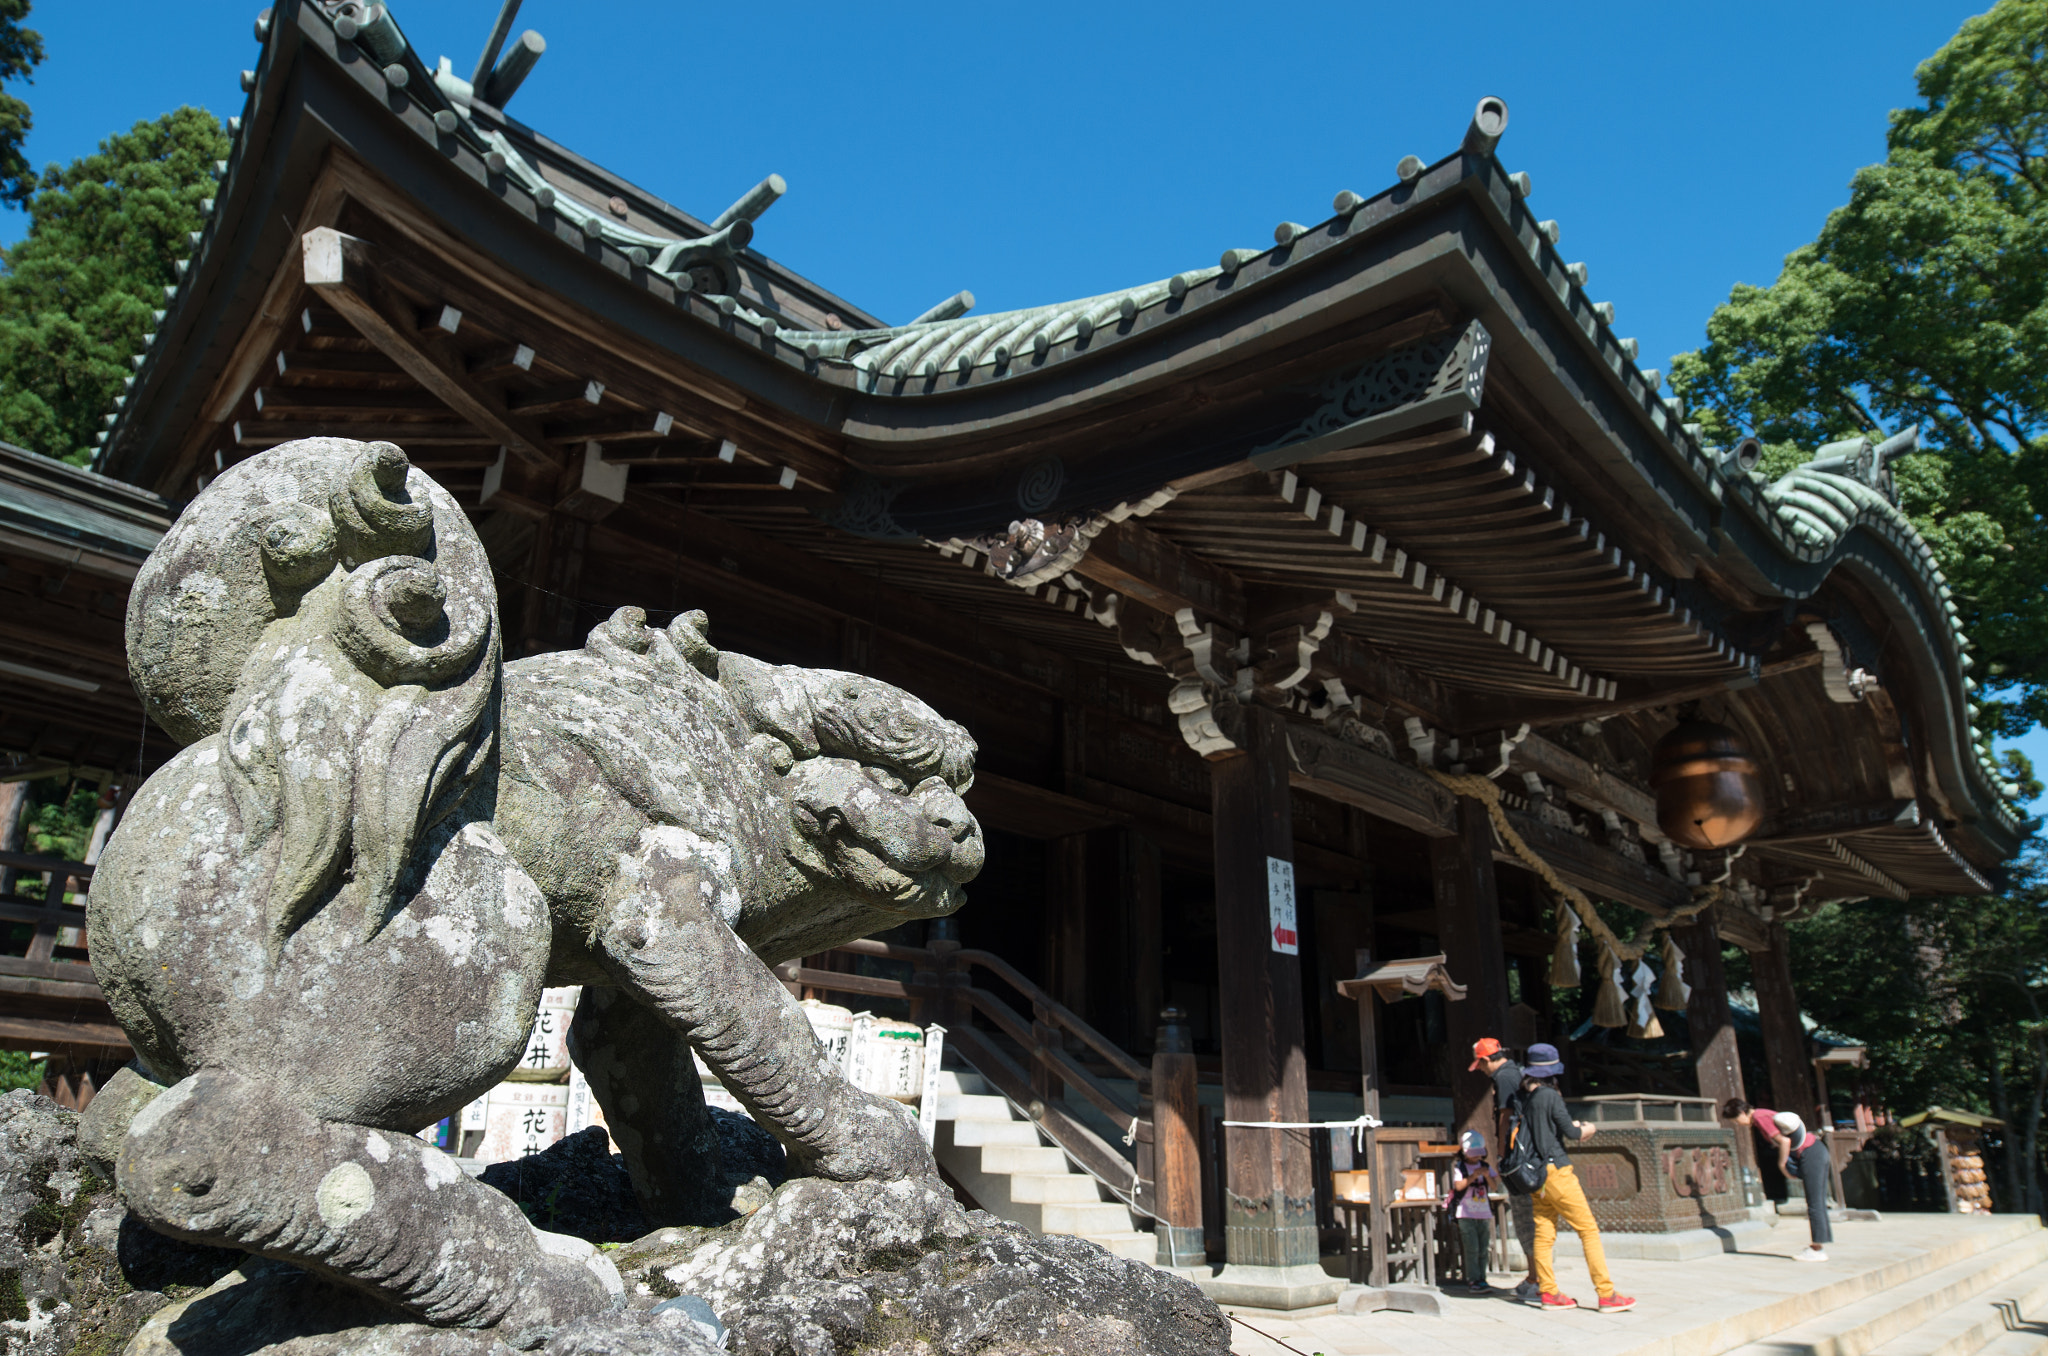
(821, 1269)
(900, 1269)
(271, 1309)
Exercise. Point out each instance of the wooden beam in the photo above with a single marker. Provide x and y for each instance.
(32, 1033)
(262, 433)
(1820, 822)
(1590, 786)
(1480, 713)
(1594, 869)
(1141, 564)
(1351, 775)
(346, 273)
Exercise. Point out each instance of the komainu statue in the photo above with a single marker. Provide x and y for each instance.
(325, 924)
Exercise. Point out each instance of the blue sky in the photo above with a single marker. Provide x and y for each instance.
(1042, 152)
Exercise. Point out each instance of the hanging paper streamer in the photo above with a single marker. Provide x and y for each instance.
(1564, 965)
(1672, 991)
(1610, 1008)
(1642, 1017)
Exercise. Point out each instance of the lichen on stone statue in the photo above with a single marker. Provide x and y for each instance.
(326, 922)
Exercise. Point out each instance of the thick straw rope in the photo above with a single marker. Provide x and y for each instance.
(1484, 791)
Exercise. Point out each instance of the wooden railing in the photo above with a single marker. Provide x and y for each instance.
(49, 915)
(942, 989)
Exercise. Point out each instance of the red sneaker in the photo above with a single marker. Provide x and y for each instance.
(1556, 1304)
(1614, 1304)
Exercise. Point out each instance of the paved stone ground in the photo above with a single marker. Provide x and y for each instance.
(1681, 1304)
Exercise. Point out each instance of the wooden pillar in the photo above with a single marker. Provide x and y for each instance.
(1176, 1155)
(1468, 929)
(1269, 1213)
(13, 814)
(1708, 1021)
(1069, 915)
(1785, 1043)
(1147, 935)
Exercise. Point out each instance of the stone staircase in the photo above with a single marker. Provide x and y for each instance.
(1985, 1293)
(1000, 1158)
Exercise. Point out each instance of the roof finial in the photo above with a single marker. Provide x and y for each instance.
(499, 32)
(959, 304)
(499, 87)
(1489, 120)
(752, 203)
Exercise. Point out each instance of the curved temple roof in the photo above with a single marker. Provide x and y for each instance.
(1298, 386)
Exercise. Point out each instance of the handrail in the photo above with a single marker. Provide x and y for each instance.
(942, 978)
(1060, 1013)
(29, 861)
(1076, 1074)
(869, 946)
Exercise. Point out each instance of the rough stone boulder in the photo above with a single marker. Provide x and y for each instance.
(77, 1274)
(899, 1269)
(818, 1269)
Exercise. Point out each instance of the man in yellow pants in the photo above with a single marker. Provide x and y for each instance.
(1561, 1197)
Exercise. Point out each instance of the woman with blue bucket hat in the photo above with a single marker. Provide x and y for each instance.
(1561, 1197)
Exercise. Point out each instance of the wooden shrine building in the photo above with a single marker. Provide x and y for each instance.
(1275, 560)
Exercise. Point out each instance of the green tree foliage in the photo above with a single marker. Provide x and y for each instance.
(76, 295)
(21, 50)
(1950, 997)
(1925, 300)
(61, 824)
(17, 1070)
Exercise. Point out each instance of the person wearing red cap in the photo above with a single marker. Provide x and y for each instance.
(1488, 1054)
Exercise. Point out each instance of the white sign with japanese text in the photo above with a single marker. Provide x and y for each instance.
(1280, 906)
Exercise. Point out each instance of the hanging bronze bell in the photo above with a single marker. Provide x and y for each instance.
(1708, 794)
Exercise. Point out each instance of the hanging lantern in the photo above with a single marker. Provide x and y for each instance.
(1708, 795)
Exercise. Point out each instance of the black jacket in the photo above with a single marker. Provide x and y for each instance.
(1550, 1125)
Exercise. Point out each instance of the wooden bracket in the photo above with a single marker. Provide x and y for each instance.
(351, 276)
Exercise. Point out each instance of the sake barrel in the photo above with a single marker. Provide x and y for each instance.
(833, 1026)
(547, 1046)
(522, 1119)
(886, 1058)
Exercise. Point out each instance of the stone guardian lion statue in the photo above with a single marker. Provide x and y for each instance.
(326, 922)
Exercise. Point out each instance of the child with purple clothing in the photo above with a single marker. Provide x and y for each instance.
(1472, 1179)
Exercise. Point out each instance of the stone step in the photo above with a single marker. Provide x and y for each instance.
(1975, 1325)
(974, 1107)
(994, 1132)
(1828, 1292)
(1012, 1159)
(1889, 1311)
(1137, 1246)
(1068, 1188)
(962, 1082)
(2017, 1344)
(1089, 1219)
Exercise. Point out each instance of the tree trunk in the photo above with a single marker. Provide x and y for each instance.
(2001, 1106)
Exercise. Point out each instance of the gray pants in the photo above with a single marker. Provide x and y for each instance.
(1813, 1168)
(1522, 1210)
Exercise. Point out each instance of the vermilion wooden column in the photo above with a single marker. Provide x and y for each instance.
(1785, 1043)
(1709, 1023)
(1468, 930)
(1269, 1217)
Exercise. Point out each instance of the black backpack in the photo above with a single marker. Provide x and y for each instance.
(1522, 1169)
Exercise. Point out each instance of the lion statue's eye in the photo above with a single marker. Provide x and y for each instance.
(887, 780)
